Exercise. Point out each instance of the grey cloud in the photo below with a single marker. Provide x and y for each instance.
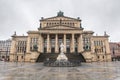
(24, 15)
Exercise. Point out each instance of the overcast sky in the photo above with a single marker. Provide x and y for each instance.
(24, 15)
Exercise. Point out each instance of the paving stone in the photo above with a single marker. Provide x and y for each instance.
(36, 71)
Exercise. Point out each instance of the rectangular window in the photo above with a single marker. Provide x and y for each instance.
(86, 43)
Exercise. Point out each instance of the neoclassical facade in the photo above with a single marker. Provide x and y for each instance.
(56, 30)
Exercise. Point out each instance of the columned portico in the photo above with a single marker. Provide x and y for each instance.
(51, 43)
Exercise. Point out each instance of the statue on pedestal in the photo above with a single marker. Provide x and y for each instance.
(62, 56)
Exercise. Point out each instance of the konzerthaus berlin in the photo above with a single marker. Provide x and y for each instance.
(44, 43)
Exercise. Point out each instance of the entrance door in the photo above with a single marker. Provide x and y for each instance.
(53, 50)
(45, 50)
(68, 49)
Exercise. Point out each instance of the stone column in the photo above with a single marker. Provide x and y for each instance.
(78, 41)
(56, 44)
(92, 46)
(80, 44)
(28, 44)
(65, 43)
(48, 43)
(72, 44)
(40, 44)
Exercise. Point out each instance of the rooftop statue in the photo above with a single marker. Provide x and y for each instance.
(60, 13)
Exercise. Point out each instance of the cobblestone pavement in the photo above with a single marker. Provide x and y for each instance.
(36, 71)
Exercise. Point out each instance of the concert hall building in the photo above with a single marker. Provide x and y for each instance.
(45, 42)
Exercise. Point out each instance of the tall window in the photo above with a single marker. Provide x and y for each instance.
(45, 45)
(52, 43)
(21, 46)
(60, 41)
(33, 43)
(67, 43)
(76, 45)
(98, 46)
(86, 43)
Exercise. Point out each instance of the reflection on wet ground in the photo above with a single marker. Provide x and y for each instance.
(36, 71)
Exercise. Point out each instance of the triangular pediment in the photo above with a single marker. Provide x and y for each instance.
(61, 27)
(60, 18)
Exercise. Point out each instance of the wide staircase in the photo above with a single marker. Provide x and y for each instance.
(53, 56)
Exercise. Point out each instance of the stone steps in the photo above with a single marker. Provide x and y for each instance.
(53, 56)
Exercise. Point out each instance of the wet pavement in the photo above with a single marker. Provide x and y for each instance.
(36, 71)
